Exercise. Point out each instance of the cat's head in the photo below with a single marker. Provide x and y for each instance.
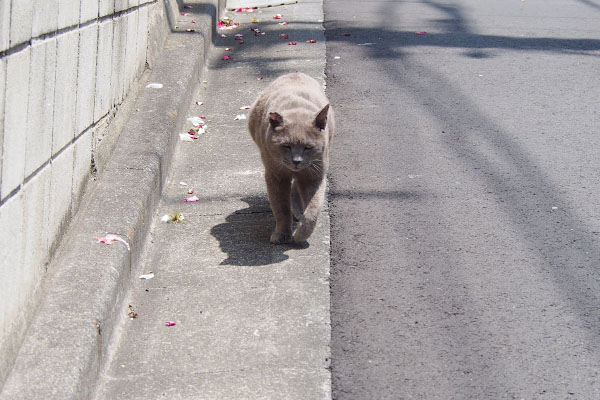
(299, 139)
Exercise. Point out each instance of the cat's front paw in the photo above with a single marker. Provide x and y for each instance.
(281, 238)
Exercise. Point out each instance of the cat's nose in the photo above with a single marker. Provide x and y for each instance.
(297, 161)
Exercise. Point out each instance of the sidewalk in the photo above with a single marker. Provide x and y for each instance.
(251, 319)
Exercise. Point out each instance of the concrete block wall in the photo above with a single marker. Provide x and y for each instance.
(66, 66)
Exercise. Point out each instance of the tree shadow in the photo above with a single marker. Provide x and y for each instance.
(245, 236)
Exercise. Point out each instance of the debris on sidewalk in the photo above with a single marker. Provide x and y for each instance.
(170, 323)
(110, 239)
(154, 86)
(132, 314)
(148, 275)
(191, 199)
(173, 218)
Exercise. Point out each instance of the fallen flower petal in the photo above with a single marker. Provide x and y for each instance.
(184, 137)
(196, 121)
(284, 23)
(260, 78)
(176, 218)
(191, 199)
(193, 21)
(165, 218)
(190, 30)
(222, 35)
(421, 33)
(191, 191)
(311, 41)
(183, 14)
(226, 58)
(244, 107)
(132, 314)
(346, 34)
(292, 43)
(228, 49)
(199, 103)
(110, 239)
(188, 7)
(170, 323)
(277, 16)
(154, 86)
(147, 276)
(239, 117)
(283, 36)
(182, 183)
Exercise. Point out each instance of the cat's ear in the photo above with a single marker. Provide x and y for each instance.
(321, 120)
(275, 119)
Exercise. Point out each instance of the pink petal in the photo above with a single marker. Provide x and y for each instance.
(278, 16)
(191, 199)
(170, 323)
(183, 14)
(421, 33)
(283, 23)
(226, 57)
(193, 21)
(188, 7)
(292, 43)
(311, 41)
(346, 34)
(110, 239)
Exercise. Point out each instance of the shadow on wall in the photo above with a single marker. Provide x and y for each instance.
(245, 236)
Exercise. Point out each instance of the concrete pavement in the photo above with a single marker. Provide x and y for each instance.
(251, 319)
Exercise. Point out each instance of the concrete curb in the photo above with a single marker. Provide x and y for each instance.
(67, 341)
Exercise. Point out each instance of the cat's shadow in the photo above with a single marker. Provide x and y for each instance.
(244, 237)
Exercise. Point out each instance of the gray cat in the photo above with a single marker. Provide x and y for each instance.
(292, 124)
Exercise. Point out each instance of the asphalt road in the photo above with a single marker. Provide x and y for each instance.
(465, 199)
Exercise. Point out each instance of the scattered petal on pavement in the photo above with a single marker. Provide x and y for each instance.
(191, 199)
(147, 276)
(110, 239)
(170, 323)
(196, 121)
(421, 33)
(154, 86)
(239, 117)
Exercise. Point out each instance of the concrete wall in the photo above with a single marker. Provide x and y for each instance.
(65, 68)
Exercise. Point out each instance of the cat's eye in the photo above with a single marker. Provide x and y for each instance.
(286, 146)
(308, 147)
